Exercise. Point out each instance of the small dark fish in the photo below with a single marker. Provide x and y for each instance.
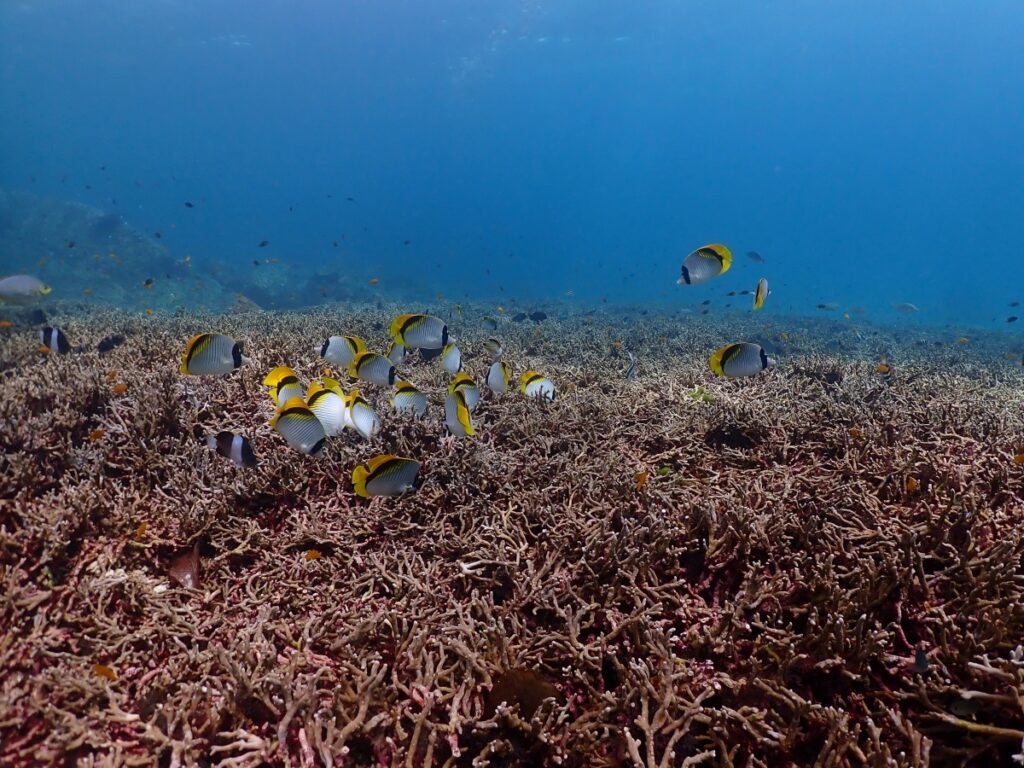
(920, 661)
(334, 243)
(37, 316)
(519, 317)
(538, 316)
(406, 242)
(755, 257)
(704, 311)
(1011, 319)
(829, 307)
(731, 293)
(188, 204)
(148, 282)
(110, 342)
(745, 293)
(264, 243)
(255, 262)
(706, 302)
(71, 243)
(157, 235)
(1014, 303)
(350, 199)
(185, 568)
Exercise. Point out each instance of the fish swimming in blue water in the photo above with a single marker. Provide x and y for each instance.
(705, 263)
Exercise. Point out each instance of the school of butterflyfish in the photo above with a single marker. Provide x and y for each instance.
(307, 416)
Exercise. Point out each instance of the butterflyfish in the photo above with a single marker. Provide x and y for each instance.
(341, 350)
(464, 383)
(705, 263)
(211, 354)
(420, 331)
(456, 415)
(385, 475)
(371, 367)
(409, 398)
(328, 401)
(761, 293)
(451, 359)
(361, 416)
(739, 360)
(498, 376)
(284, 385)
(533, 384)
(297, 424)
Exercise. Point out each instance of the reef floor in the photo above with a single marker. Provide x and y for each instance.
(821, 565)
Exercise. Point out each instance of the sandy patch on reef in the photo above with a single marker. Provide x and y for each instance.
(757, 602)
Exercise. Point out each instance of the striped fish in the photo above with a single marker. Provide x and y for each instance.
(371, 367)
(464, 383)
(420, 331)
(297, 424)
(409, 398)
(327, 400)
(761, 293)
(705, 263)
(340, 350)
(456, 415)
(361, 416)
(233, 447)
(498, 376)
(54, 340)
(385, 475)
(283, 385)
(533, 384)
(736, 361)
(211, 354)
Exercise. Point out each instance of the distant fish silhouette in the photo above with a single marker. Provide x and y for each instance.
(755, 257)
(1011, 319)
(188, 204)
(264, 243)
(905, 307)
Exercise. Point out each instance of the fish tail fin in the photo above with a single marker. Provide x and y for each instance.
(359, 475)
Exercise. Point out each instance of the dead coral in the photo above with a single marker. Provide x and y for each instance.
(764, 600)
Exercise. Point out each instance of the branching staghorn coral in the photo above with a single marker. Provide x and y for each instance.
(821, 565)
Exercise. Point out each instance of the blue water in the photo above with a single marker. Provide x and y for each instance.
(872, 152)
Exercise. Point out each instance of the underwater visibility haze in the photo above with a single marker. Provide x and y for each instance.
(511, 383)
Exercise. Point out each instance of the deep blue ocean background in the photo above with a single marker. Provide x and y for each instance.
(872, 152)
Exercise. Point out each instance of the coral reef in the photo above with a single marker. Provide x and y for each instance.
(820, 566)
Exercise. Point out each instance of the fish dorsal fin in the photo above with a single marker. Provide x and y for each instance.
(332, 385)
(274, 378)
(380, 464)
(195, 345)
(357, 362)
(293, 404)
(401, 324)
